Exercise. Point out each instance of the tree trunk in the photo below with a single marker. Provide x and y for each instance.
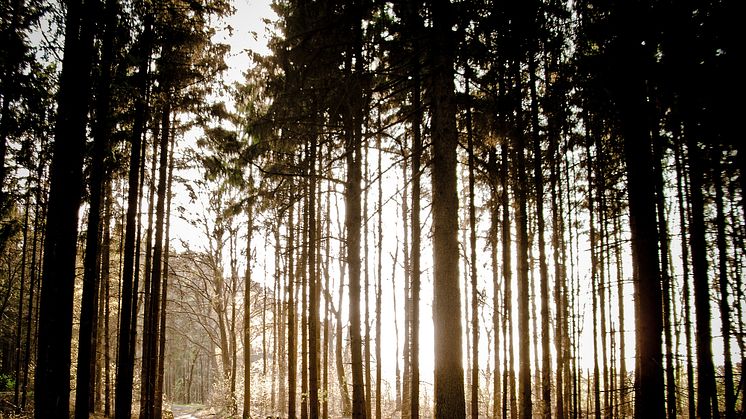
(665, 276)
(125, 356)
(366, 289)
(313, 288)
(353, 222)
(684, 216)
(52, 384)
(415, 252)
(509, 398)
(247, 313)
(379, 273)
(706, 395)
(91, 280)
(546, 368)
(152, 317)
(594, 272)
(105, 278)
(160, 359)
(292, 346)
(449, 372)
(473, 264)
(725, 322)
(631, 51)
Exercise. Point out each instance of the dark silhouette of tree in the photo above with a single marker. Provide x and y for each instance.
(449, 372)
(52, 383)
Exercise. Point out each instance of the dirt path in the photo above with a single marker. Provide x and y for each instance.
(189, 412)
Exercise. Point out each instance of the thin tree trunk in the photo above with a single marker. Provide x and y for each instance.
(560, 326)
(247, 313)
(21, 298)
(105, 278)
(292, 347)
(366, 289)
(594, 274)
(415, 252)
(546, 368)
(683, 218)
(353, 223)
(725, 322)
(158, 405)
(313, 288)
(473, 263)
(379, 273)
(665, 277)
(623, 408)
(33, 284)
(509, 397)
(706, 394)
(151, 321)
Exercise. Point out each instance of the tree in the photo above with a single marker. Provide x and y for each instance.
(127, 318)
(630, 94)
(52, 384)
(91, 276)
(449, 372)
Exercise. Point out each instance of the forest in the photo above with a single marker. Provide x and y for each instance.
(391, 209)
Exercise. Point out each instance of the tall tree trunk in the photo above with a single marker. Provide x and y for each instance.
(353, 223)
(21, 300)
(313, 288)
(304, 318)
(509, 397)
(665, 276)
(379, 272)
(52, 384)
(33, 284)
(247, 311)
(683, 222)
(292, 346)
(406, 409)
(546, 368)
(706, 395)
(160, 359)
(415, 252)
(91, 279)
(366, 289)
(449, 372)
(473, 264)
(623, 408)
(105, 280)
(496, 309)
(125, 355)
(631, 51)
(524, 356)
(594, 271)
(327, 296)
(148, 266)
(560, 326)
(725, 322)
(152, 317)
